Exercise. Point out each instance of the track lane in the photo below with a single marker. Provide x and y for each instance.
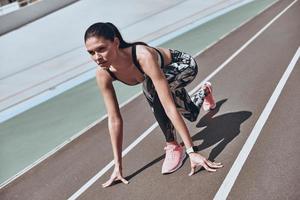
(274, 160)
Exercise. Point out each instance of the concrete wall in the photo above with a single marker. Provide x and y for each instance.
(24, 15)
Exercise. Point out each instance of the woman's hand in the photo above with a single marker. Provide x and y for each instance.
(116, 175)
(198, 160)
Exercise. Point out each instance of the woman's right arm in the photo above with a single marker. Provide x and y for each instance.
(115, 122)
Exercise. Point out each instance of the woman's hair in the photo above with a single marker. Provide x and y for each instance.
(108, 31)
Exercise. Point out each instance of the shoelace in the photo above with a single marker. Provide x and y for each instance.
(170, 151)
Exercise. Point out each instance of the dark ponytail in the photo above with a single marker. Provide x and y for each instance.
(109, 31)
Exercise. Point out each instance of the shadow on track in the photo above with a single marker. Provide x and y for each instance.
(220, 129)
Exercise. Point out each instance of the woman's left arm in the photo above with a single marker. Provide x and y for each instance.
(148, 59)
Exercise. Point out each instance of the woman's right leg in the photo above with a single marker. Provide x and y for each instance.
(163, 120)
(175, 153)
(159, 112)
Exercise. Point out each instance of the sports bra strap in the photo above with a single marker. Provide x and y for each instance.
(137, 64)
(135, 61)
(111, 74)
(161, 57)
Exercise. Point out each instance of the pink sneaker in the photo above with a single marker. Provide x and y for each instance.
(175, 155)
(209, 101)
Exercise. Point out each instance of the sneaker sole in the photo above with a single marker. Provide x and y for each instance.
(178, 166)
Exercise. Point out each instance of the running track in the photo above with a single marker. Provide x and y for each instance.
(257, 63)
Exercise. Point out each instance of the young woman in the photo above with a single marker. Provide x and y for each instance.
(164, 74)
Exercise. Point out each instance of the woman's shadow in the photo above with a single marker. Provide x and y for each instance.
(220, 129)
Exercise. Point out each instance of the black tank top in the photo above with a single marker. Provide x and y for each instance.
(137, 64)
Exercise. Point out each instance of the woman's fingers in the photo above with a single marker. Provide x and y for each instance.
(108, 183)
(111, 180)
(124, 180)
(213, 164)
(217, 163)
(192, 170)
(207, 168)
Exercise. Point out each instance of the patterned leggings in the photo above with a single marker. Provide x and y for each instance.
(182, 71)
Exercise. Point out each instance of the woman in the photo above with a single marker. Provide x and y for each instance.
(164, 74)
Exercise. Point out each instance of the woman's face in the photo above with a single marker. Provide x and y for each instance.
(102, 51)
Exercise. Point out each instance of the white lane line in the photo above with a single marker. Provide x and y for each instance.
(241, 159)
(147, 132)
(109, 165)
(195, 24)
(247, 43)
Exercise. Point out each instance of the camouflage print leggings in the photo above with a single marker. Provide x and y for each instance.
(179, 74)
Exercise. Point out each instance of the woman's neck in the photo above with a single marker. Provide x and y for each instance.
(123, 59)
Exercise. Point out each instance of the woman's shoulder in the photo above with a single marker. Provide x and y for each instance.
(146, 52)
(143, 49)
(103, 76)
(150, 51)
